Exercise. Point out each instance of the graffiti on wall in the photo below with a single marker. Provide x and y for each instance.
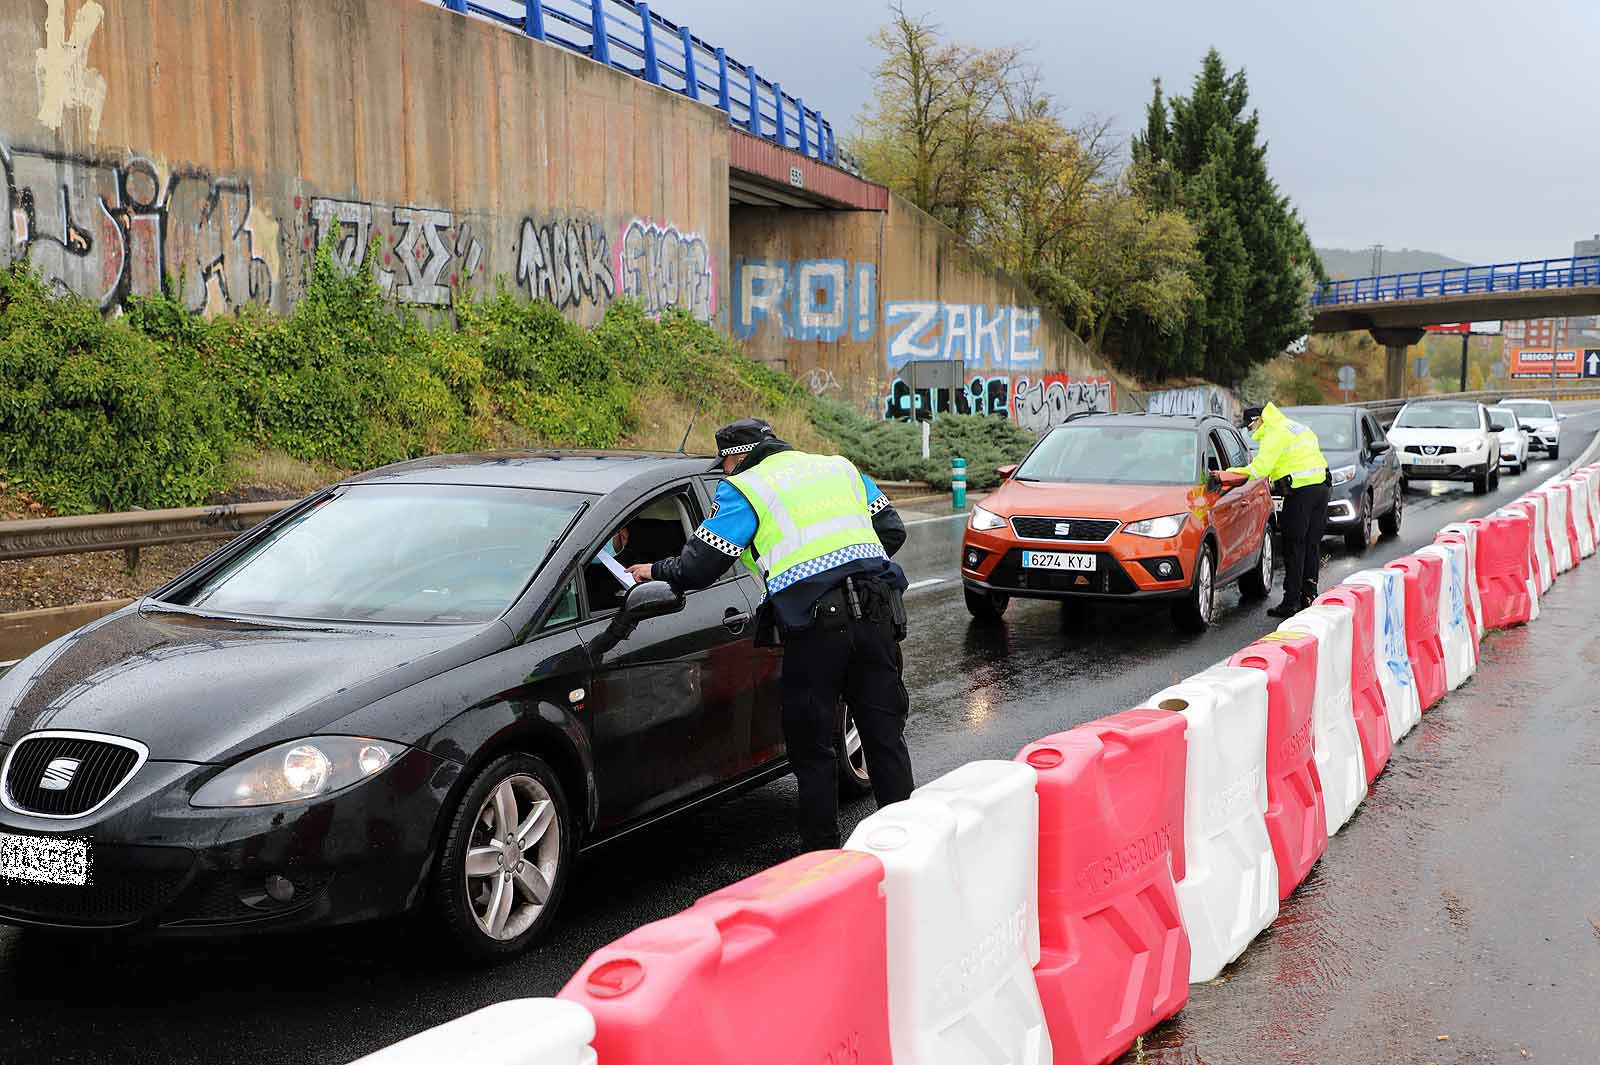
(424, 251)
(824, 300)
(108, 231)
(566, 261)
(663, 268)
(997, 338)
(1201, 399)
(1044, 402)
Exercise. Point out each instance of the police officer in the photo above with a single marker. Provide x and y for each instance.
(819, 534)
(1290, 454)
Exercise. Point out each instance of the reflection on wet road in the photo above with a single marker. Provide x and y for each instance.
(1426, 918)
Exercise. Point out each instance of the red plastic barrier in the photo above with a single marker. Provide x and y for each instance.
(1423, 577)
(1472, 611)
(1505, 567)
(1372, 716)
(789, 965)
(1296, 821)
(1573, 503)
(1114, 956)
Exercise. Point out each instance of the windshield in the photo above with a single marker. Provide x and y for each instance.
(1335, 429)
(1113, 454)
(1439, 416)
(1531, 408)
(396, 553)
(1502, 419)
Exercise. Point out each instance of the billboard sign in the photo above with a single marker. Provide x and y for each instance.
(1451, 327)
(1546, 364)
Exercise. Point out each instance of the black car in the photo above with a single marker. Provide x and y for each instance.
(1365, 482)
(423, 688)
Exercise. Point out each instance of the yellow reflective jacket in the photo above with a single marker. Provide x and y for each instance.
(1288, 449)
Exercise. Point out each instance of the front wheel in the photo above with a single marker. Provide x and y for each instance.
(1193, 612)
(507, 852)
(1358, 538)
(1257, 584)
(854, 780)
(1480, 483)
(1389, 524)
(986, 606)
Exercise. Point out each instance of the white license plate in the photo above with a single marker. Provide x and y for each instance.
(44, 859)
(1078, 563)
(1429, 460)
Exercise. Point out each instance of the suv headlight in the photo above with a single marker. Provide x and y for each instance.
(1343, 475)
(298, 770)
(1162, 528)
(983, 520)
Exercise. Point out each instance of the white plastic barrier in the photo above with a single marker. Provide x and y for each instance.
(1583, 518)
(1455, 633)
(1556, 518)
(961, 881)
(1335, 742)
(1469, 533)
(1545, 564)
(1229, 893)
(1393, 659)
(519, 1031)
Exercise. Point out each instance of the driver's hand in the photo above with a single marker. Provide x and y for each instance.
(641, 572)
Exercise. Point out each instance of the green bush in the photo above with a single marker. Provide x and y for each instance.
(892, 451)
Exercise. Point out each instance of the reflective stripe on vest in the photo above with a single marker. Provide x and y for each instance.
(809, 508)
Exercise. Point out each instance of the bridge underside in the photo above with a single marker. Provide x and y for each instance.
(1477, 307)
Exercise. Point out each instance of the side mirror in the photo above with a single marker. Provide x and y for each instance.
(1229, 481)
(1560, 416)
(1006, 472)
(1526, 428)
(652, 599)
(1381, 447)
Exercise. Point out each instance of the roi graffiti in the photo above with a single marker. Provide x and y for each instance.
(664, 268)
(824, 300)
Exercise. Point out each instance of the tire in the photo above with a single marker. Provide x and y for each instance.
(1494, 478)
(1358, 538)
(1389, 524)
(1193, 612)
(1257, 584)
(1480, 483)
(462, 904)
(854, 780)
(1554, 453)
(986, 606)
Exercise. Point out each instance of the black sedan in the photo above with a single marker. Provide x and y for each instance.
(1366, 486)
(425, 688)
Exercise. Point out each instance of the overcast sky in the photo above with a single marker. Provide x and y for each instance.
(1466, 127)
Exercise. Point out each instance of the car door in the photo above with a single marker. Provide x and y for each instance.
(1389, 461)
(1230, 510)
(1373, 465)
(671, 704)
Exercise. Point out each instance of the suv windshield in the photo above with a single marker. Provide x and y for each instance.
(1113, 454)
(1531, 408)
(395, 553)
(1335, 429)
(1501, 418)
(1439, 416)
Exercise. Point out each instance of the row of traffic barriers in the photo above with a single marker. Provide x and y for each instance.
(1055, 907)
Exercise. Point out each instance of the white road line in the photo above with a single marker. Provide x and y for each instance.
(925, 521)
(930, 582)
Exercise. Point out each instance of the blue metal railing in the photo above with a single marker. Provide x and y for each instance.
(627, 36)
(1461, 281)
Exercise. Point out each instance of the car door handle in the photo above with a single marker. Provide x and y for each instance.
(735, 620)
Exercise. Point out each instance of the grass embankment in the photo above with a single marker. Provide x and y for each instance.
(161, 407)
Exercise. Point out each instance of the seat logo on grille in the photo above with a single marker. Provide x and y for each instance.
(58, 774)
(1063, 528)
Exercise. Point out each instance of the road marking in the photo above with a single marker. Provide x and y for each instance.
(925, 521)
(930, 582)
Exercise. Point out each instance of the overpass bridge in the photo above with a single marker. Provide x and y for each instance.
(1396, 308)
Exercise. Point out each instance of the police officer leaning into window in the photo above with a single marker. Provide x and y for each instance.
(819, 533)
(1290, 456)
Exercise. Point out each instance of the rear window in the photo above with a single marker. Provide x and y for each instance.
(1113, 454)
(1531, 408)
(1502, 419)
(1439, 416)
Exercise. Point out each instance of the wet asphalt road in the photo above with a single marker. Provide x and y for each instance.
(1444, 908)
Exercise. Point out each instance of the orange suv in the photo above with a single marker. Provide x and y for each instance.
(1123, 506)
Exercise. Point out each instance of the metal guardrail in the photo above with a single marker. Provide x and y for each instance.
(1388, 409)
(1461, 281)
(627, 36)
(130, 530)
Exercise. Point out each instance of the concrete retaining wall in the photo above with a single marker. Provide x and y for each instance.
(221, 139)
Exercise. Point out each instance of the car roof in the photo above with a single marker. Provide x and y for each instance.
(1352, 411)
(1160, 421)
(594, 472)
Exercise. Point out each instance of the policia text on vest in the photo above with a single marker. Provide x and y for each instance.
(819, 535)
(1290, 453)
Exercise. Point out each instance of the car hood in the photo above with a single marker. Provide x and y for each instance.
(1402, 436)
(200, 688)
(1122, 502)
(1538, 423)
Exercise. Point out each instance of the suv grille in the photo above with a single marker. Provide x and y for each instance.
(1108, 578)
(91, 770)
(1078, 530)
(1431, 449)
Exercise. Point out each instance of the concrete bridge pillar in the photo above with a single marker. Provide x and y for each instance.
(1395, 341)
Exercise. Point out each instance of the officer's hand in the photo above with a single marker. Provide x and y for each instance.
(641, 572)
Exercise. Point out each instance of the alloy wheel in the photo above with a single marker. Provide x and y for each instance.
(1203, 589)
(1266, 556)
(512, 857)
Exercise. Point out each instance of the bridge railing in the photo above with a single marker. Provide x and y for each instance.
(627, 35)
(1461, 281)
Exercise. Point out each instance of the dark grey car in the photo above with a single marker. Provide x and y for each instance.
(1364, 470)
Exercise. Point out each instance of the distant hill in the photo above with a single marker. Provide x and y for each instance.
(1342, 262)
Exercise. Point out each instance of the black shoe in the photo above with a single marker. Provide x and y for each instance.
(1282, 610)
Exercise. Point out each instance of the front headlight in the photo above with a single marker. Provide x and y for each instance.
(300, 769)
(983, 520)
(1343, 475)
(1162, 528)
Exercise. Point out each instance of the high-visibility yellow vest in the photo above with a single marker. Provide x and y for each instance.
(811, 514)
(1288, 449)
